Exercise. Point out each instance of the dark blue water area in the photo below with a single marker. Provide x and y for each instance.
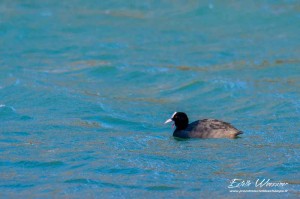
(85, 87)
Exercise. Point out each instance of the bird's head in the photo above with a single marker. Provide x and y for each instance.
(180, 120)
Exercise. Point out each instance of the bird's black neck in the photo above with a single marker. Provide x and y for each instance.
(181, 133)
(181, 126)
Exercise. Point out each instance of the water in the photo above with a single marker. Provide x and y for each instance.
(85, 87)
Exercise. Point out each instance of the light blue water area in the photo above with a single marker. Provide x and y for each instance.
(85, 87)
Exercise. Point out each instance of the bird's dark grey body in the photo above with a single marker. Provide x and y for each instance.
(206, 128)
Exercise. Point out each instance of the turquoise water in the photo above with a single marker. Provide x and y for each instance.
(85, 87)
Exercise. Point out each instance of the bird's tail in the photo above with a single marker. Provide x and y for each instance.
(238, 133)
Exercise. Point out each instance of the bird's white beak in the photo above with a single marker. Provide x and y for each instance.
(168, 120)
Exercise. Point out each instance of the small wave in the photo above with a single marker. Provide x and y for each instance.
(81, 181)
(25, 117)
(10, 140)
(17, 185)
(190, 86)
(110, 121)
(161, 188)
(36, 164)
(129, 171)
(88, 124)
(229, 84)
(99, 183)
(3, 106)
(80, 66)
(18, 133)
(186, 87)
(10, 113)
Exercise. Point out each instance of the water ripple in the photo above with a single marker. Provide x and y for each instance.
(37, 164)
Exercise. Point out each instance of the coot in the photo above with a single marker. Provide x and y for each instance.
(206, 128)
